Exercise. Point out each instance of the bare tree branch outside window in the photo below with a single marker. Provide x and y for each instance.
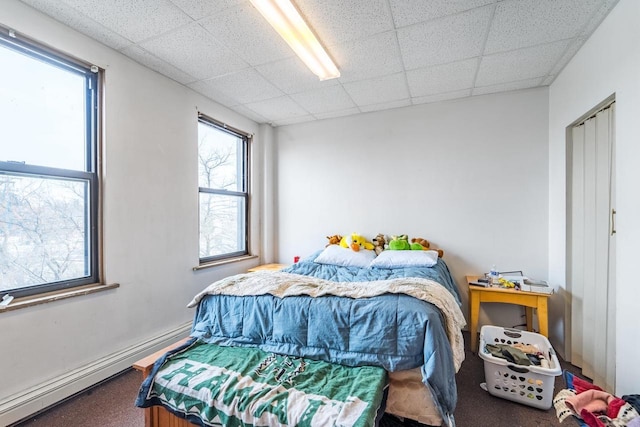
(221, 172)
(42, 237)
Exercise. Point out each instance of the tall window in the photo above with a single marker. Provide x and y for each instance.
(223, 157)
(48, 169)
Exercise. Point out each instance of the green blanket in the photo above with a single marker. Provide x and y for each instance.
(232, 386)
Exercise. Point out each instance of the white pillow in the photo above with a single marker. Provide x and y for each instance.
(346, 257)
(398, 259)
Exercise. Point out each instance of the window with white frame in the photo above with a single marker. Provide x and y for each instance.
(223, 158)
(49, 198)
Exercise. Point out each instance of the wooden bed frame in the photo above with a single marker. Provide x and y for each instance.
(157, 416)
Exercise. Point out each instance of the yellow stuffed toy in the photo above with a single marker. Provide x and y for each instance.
(356, 242)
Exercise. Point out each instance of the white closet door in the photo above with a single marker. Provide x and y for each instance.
(591, 280)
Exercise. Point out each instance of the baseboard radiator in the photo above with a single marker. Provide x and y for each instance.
(28, 402)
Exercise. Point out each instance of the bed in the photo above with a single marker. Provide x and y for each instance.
(402, 316)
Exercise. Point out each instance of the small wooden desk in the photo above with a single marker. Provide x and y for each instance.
(529, 300)
(270, 267)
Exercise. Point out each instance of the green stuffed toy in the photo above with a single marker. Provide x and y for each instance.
(400, 243)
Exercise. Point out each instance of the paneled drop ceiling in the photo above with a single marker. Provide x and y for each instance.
(391, 53)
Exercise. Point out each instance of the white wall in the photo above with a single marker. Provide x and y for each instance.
(468, 175)
(608, 63)
(150, 223)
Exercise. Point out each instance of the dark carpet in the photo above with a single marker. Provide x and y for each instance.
(111, 404)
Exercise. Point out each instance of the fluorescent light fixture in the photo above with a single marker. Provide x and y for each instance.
(285, 19)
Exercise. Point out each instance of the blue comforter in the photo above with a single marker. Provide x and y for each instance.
(394, 331)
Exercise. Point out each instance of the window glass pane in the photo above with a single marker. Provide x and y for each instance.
(43, 113)
(220, 158)
(43, 230)
(221, 224)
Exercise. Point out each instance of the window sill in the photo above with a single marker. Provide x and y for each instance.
(224, 261)
(32, 300)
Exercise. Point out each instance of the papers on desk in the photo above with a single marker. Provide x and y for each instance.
(539, 286)
(522, 282)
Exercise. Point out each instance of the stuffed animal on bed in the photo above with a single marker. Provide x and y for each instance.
(399, 243)
(334, 240)
(378, 243)
(420, 244)
(356, 242)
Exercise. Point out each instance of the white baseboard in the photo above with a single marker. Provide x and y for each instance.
(30, 401)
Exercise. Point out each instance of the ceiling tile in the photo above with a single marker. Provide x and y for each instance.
(79, 22)
(292, 76)
(210, 92)
(198, 9)
(135, 20)
(294, 120)
(522, 84)
(244, 86)
(339, 113)
(442, 78)
(444, 40)
(370, 57)
(148, 60)
(195, 51)
(243, 30)
(339, 21)
(224, 50)
(378, 90)
(408, 12)
(385, 105)
(519, 64)
(332, 98)
(241, 109)
(570, 51)
(277, 109)
(532, 22)
(441, 97)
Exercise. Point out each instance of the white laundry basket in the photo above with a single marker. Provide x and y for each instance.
(530, 385)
